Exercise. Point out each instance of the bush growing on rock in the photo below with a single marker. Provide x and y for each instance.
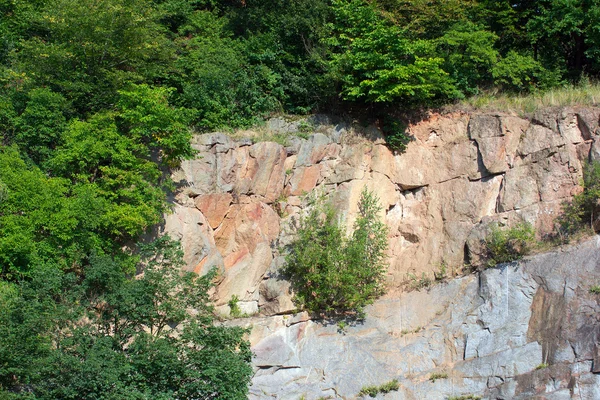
(506, 245)
(333, 274)
(584, 209)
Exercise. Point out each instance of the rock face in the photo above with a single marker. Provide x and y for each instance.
(236, 206)
(519, 331)
(459, 174)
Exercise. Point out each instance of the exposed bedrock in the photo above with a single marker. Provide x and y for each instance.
(459, 174)
(519, 331)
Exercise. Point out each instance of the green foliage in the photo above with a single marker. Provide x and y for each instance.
(517, 71)
(234, 308)
(38, 129)
(441, 273)
(333, 274)
(438, 375)
(584, 209)
(423, 282)
(396, 137)
(541, 366)
(39, 224)
(509, 244)
(87, 50)
(469, 55)
(373, 391)
(595, 289)
(377, 62)
(216, 77)
(112, 335)
(465, 397)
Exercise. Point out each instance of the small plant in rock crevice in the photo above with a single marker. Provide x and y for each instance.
(583, 211)
(415, 283)
(438, 375)
(506, 245)
(234, 309)
(374, 390)
(465, 397)
(595, 289)
(440, 274)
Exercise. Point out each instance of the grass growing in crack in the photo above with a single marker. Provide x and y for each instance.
(438, 375)
(506, 245)
(424, 282)
(373, 391)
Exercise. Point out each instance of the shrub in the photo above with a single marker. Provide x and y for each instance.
(509, 244)
(333, 274)
(584, 209)
(595, 289)
(234, 308)
(396, 137)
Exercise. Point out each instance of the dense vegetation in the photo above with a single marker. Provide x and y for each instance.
(332, 274)
(97, 99)
(583, 212)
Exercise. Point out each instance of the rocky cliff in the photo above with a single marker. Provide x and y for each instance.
(488, 333)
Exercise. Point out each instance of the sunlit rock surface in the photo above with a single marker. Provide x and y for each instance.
(237, 201)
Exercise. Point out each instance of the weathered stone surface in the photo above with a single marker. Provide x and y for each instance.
(520, 189)
(189, 226)
(267, 182)
(313, 150)
(484, 126)
(440, 129)
(275, 297)
(538, 138)
(245, 226)
(214, 207)
(235, 208)
(476, 331)
(303, 180)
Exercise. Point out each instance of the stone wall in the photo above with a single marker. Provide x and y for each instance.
(461, 172)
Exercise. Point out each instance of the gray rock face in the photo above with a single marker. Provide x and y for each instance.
(519, 331)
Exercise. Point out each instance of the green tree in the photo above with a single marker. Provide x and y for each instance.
(377, 62)
(87, 50)
(118, 155)
(333, 274)
(38, 129)
(469, 55)
(216, 78)
(112, 335)
(565, 35)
